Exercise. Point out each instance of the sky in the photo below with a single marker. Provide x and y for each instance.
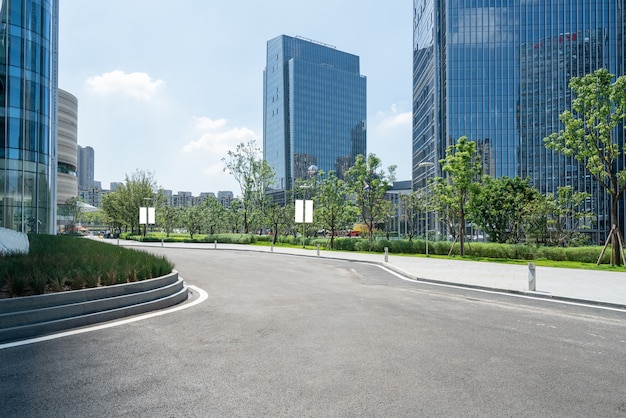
(170, 87)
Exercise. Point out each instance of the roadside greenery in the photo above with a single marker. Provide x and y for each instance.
(58, 263)
(589, 136)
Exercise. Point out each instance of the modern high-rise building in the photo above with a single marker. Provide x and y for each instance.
(314, 109)
(86, 167)
(28, 106)
(498, 73)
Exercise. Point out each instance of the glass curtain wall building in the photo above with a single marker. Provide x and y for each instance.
(497, 72)
(314, 109)
(28, 103)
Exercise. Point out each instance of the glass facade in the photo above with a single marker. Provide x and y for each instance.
(497, 71)
(314, 109)
(28, 91)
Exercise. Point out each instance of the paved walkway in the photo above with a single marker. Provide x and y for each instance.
(582, 285)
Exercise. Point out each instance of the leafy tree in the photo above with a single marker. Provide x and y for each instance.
(278, 217)
(443, 201)
(333, 208)
(194, 219)
(500, 205)
(368, 183)
(254, 176)
(463, 169)
(170, 218)
(122, 205)
(234, 218)
(74, 210)
(214, 213)
(412, 204)
(556, 219)
(598, 111)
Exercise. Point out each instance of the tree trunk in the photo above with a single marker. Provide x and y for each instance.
(615, 244)
(462, 231)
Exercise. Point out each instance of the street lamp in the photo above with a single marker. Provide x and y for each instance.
(426, 164)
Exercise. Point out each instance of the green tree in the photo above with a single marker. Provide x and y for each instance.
(333, 209)
(368, 183)
(170, 218)
(234, 217)
(559, 218)
(463, 170)
(278, 218)
(74, 210)
(194, 219)
(215, 215)
(122, 205)
(443, 201)
(254, 176)
(598, 111)
(500, 206)
(413, 204)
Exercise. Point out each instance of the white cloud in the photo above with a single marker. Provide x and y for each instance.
(216, 138)
(389, 137)
(393, 119)
(137, 85)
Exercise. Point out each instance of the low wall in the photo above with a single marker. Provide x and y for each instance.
(32, 316)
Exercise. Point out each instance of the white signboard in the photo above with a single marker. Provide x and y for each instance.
(146, 216)
(304, 211)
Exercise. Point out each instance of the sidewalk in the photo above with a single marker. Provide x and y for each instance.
(599, 287)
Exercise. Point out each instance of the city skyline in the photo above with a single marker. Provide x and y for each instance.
(173, 102)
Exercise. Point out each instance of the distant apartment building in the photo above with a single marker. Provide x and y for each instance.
(225, 198)
(93, 196)
(86, 167)
(314, 110)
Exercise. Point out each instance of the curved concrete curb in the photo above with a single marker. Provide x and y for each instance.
(38, 315)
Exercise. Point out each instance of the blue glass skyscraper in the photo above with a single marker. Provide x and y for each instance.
(28, 106)
(498, 73)
(314, 109)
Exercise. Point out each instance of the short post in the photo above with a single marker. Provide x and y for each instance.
(161, 242)
(272, 248)
(215, 243)
(118, 241)
(386, 254)
(532, 277)
(318, 250)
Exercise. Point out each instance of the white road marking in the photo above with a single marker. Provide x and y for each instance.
(201, 298)
(504, 292)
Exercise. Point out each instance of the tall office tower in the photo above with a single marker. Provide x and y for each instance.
(28, 106)
(67, 180)
(86, 167)
(314, 109)
(498, 73)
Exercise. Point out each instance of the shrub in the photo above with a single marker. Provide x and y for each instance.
(345, 244)
(57, 262)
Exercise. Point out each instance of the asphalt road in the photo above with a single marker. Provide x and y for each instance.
(297, 337)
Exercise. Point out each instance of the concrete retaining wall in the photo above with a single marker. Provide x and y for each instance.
(32, 316)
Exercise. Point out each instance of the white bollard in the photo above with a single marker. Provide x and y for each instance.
(532, 277)
(318, 250)
(215, 244)
(386, 254)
